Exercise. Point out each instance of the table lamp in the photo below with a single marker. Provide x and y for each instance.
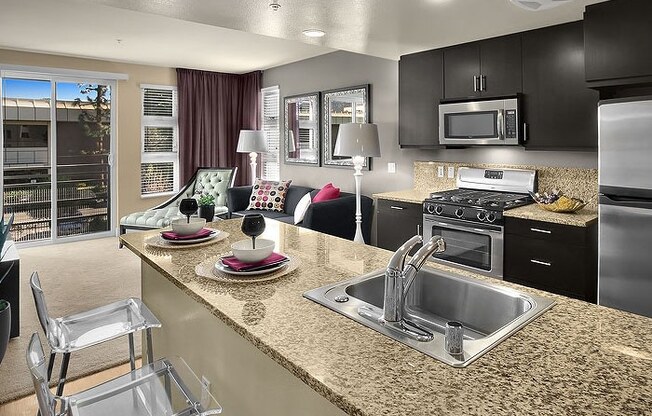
(358, 140)
(252, 142)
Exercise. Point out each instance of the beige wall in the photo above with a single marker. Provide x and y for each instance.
(128, 117)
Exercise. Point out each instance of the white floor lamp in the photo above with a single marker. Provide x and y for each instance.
(252, 142)
(358, 140)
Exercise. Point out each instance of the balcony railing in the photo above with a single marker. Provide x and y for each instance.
(82, 201)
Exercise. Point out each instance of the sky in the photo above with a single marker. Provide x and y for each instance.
(33, 89)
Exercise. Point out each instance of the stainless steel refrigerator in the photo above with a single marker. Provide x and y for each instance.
(625, 207)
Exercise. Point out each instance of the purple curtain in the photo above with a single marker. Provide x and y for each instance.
(213, 108)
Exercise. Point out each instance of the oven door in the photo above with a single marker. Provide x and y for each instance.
(477, 123)
(471, 246)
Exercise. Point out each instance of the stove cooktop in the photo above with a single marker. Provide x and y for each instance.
(495, 201)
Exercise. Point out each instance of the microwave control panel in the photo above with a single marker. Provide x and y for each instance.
(510, 124)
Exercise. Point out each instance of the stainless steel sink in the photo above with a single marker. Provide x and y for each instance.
(490, 313)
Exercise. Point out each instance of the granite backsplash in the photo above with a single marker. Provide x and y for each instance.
(575, 182)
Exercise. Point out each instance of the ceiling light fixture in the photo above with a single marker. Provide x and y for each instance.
(314, 33)
(536, 5)
(274, 5)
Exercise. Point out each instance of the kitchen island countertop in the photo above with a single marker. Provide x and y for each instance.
(577, 358)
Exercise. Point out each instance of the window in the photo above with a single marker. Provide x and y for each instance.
(271, 129)
(159, 161)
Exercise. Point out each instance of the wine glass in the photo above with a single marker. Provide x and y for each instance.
(253, 225)
(188, 206)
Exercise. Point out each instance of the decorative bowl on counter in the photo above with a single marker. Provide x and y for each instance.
(182, 226)
(556, 201)
(243, 250)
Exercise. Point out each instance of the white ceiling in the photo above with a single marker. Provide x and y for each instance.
(81, 28)
(243, 35)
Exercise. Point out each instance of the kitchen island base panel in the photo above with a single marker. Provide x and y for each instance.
(244, 380)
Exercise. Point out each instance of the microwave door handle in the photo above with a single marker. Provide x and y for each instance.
(500, 121)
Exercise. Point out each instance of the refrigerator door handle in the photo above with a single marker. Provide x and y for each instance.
(625, 202)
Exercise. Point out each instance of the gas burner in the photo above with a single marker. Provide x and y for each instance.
(496, 201)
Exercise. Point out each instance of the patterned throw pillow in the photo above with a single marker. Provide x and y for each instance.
(269, 195)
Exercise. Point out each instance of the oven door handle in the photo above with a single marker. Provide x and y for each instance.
(469, 227)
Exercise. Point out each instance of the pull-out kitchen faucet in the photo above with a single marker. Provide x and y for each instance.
(398, 279)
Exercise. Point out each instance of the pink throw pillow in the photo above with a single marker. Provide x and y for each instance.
(327, 193)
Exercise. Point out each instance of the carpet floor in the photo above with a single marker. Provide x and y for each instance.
(75, 276)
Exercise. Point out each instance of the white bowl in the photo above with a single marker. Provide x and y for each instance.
(242, 250)
(181, 226)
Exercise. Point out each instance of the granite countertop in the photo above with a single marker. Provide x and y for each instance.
(582, 218)
(577, 358)
(415, 196)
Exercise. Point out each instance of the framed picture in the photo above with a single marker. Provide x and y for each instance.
(341, 106)
(301, 133)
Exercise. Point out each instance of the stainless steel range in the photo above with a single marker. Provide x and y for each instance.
(470, 218)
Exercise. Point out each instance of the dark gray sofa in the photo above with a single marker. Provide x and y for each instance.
(335, 217)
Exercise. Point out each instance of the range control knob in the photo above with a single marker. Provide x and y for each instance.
(430, 208)
(482, 215)
(491, 217)
(459, 213)
(439, 209)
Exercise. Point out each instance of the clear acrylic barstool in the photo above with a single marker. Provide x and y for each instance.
(72, 333)
(165, 387)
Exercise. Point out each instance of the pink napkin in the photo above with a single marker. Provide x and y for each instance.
(238, 265)
(169, 235)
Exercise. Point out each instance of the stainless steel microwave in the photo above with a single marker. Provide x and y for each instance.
(472, 123)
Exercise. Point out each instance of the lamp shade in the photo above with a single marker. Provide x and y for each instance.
(357, 139)
(251, 141)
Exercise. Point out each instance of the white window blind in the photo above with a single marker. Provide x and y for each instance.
(271, 129)
(159, 167)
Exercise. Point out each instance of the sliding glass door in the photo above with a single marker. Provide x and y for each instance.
(83, 120)
(27, 155)
(56, 164)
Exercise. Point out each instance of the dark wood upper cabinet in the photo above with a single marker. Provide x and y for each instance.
(500, 65)
(419, 92)
(618, 41)
(487, 68)
(559, 109)
(461, 71)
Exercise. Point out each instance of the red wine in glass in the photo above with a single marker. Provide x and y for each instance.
(188, 206)
(253, 225)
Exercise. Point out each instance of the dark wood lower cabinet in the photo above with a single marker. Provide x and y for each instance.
(396, 222)
(556, 258)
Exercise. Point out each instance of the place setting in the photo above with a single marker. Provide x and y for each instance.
(250, 260)
(187, 231)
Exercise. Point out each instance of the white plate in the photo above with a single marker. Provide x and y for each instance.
(226, 269)
(211, 236)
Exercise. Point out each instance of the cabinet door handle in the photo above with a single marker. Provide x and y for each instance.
(543, 263)
(539, 230)
(483, 82)
(475, 83)
(418, 229)
(395, 207)
(524, 132)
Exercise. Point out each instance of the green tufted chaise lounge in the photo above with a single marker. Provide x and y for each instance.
(214, 181)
